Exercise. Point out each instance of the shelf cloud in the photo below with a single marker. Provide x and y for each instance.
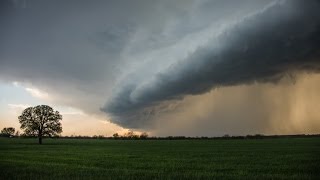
(277, 41)
(148, 65)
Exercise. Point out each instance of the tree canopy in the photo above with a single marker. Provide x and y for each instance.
(9, 131)
(40, 121)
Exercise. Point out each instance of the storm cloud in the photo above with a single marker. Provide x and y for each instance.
(141, 63)
(278, 40)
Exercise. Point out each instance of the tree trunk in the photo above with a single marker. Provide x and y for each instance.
(40, 139)
(40, 133)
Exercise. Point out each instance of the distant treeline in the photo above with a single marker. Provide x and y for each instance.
(131, 135)
(256, 136)
(137, 137)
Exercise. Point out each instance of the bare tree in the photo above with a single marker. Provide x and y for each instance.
(115, 135)
(40, 121)
(131, 135)
(144, 135)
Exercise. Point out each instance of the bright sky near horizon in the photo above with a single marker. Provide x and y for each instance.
(171, 67)
(15, 98)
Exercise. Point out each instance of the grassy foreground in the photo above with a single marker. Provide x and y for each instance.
(283, 158)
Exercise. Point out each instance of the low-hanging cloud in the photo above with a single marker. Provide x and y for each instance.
(154, 63)
(281, 39)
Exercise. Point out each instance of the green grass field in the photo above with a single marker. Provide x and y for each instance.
(283, 158)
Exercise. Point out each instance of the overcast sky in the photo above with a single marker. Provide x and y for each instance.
(170, 67)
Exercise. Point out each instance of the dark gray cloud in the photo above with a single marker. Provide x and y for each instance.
(139, 56)
(80, 51)
(74, 50)
(282, 38)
